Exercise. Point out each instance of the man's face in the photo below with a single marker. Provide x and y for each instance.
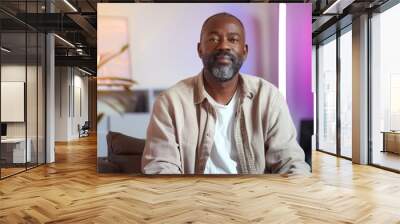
(222, 47)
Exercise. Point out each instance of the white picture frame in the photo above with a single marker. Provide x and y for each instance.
(12, 101)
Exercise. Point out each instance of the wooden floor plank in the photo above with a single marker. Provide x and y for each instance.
(70, 191)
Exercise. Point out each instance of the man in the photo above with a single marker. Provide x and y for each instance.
(220, 121)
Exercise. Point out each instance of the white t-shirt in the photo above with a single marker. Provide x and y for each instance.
(223, 158)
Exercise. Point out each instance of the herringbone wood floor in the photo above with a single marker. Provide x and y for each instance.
(70, 191)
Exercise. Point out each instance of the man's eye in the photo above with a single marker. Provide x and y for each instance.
(214, 40)
(234, 40)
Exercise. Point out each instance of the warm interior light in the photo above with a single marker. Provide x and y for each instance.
(5, 50)
(84, 71)
(64, 40)
(70, 5)
(326, 11)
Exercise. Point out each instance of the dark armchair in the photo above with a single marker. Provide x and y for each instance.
(124, 154)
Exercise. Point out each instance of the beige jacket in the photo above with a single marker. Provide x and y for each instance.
(181, 130)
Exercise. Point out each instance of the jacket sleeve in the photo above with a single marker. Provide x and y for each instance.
(161, 153)
(283, 154)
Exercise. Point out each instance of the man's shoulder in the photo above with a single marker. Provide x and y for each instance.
(182, 89)
(259, 85)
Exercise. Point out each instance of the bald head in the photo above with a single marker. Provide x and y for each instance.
(222, 46)
(219, 16)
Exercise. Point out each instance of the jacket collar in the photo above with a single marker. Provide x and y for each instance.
(200, 91)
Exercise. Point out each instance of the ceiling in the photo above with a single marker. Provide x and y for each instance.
(76, 22)
(332, 15)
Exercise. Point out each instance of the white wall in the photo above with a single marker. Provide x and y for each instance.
(80, 100)
(61, 103)
(14, 72)
(163, 48)
(69, 84)
(17, 73)
(33, 126)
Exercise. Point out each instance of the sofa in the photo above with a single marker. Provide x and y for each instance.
(124, 154)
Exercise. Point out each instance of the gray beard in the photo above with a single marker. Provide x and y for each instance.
(223, 73)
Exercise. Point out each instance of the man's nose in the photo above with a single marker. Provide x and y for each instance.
(224, 45)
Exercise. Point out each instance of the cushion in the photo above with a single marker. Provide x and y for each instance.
(121, 144)
(127, 163)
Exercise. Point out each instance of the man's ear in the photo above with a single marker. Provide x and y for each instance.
(246, 50)
(199, 52)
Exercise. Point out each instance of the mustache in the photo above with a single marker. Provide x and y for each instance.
(216, 54)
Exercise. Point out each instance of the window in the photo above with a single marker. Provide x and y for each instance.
(22, 75)
(327, 96)
(385, 88)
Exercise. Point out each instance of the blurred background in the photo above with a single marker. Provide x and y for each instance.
(158, 51)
